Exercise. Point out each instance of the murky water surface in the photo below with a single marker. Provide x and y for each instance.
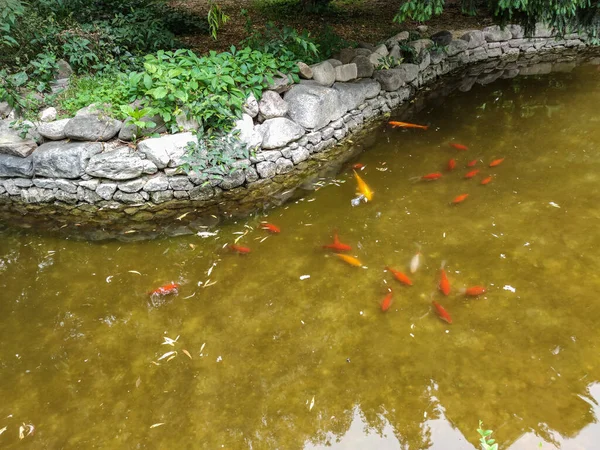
(267, 358)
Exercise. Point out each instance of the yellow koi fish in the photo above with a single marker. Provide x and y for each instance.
(363, 189)
(349, 259)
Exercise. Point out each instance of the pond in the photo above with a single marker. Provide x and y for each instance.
(288, 347)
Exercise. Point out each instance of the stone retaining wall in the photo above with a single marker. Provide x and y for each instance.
(76, 171)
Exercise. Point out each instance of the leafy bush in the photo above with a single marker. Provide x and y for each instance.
(211, 89)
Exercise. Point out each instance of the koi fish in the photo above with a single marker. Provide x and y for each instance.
(444, 284)
(415, 262)
(167, 289)
(451, 164)
(387, 302)
(496, 162)
(363, 188)
(270, 227)
(486, 180)
(472, 173)
(459, 199)
(337, 246)
(395, 124)
(472, 163)
(358, 166)
(459, 146)
(349, 259)
(238, 249)
(473, 291)
(442, 312)
(431, 176)
(402, 278)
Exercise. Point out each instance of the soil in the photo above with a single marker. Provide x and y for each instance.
(354, 20)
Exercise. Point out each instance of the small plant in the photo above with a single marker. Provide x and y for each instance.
(215, 153)
(136, 117)
(486, 444)
(22, 127)
(388, 62)
(216, 18)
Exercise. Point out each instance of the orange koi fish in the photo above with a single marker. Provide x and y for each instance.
(473, 291)
(459, 146)
(402, 278)
(270, 227)
(387, 302)
(358, 166)
(496, 162)
(472, 163)
(337, 246)
(238, 249)
(363, 188)
(349, 259)
(431, 176)
(472, 173)
(444, 284)
(167, 289)
(395, 124)
(486, 180)
(459, 199)
(451, 164)
(442, 312)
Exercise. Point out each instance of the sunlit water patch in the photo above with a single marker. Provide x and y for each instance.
(287, 347)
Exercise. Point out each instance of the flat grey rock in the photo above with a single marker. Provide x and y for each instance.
(279, 132)
(271, 105)
(62, 159)
(119, 164)
(166, 150)
(92, 128)
(313, 107)
(323, 73)
(15, 166)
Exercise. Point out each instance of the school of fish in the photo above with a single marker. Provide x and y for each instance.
(366, 194)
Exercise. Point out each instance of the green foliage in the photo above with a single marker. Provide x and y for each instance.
(329, 42)
(136, 116)
(214, 154)
(112, 89)
(211, 89)
(216, 18)
(10, 11)
(486, 444)
(10, 85)
(284, 43)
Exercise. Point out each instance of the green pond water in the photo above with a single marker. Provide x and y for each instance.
(283, 361)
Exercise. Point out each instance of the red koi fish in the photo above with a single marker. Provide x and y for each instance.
(459, 146)
(451, 164)
(387, 302)
(238, 249)
(473, 291)
(472, 163)
(486, 180)
(431, 176)
(270, 227)
(442, 312)
(402, 278)
(337, 246)
(496, 162)
(395, 124)
(472, 173)
(358, 166)
(444, 285)
(167, 289)
(459, 199)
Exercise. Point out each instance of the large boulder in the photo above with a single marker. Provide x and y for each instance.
(442, 38)
(354, 94)
(119, 164)
(92, 127)
(305, 71)
(12, 142)
(55, 131)
(63, 159)
(456, 46)
(364, 67)
(323, 73)
(166, 150)
(474, 38)
(15, 166)
(496, 34)
(346, 72)
(279, 131)
(313, 107)
(271, 105)
(247, 133)
(389, 79)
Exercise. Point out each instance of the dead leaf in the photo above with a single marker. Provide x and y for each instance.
(166, 355)
(138, 382)
(172, 357)
(157, 425)
(187, 353)
(312, 403)
(3, 430)
(130, 231)
(192, 246)
(134, 271)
